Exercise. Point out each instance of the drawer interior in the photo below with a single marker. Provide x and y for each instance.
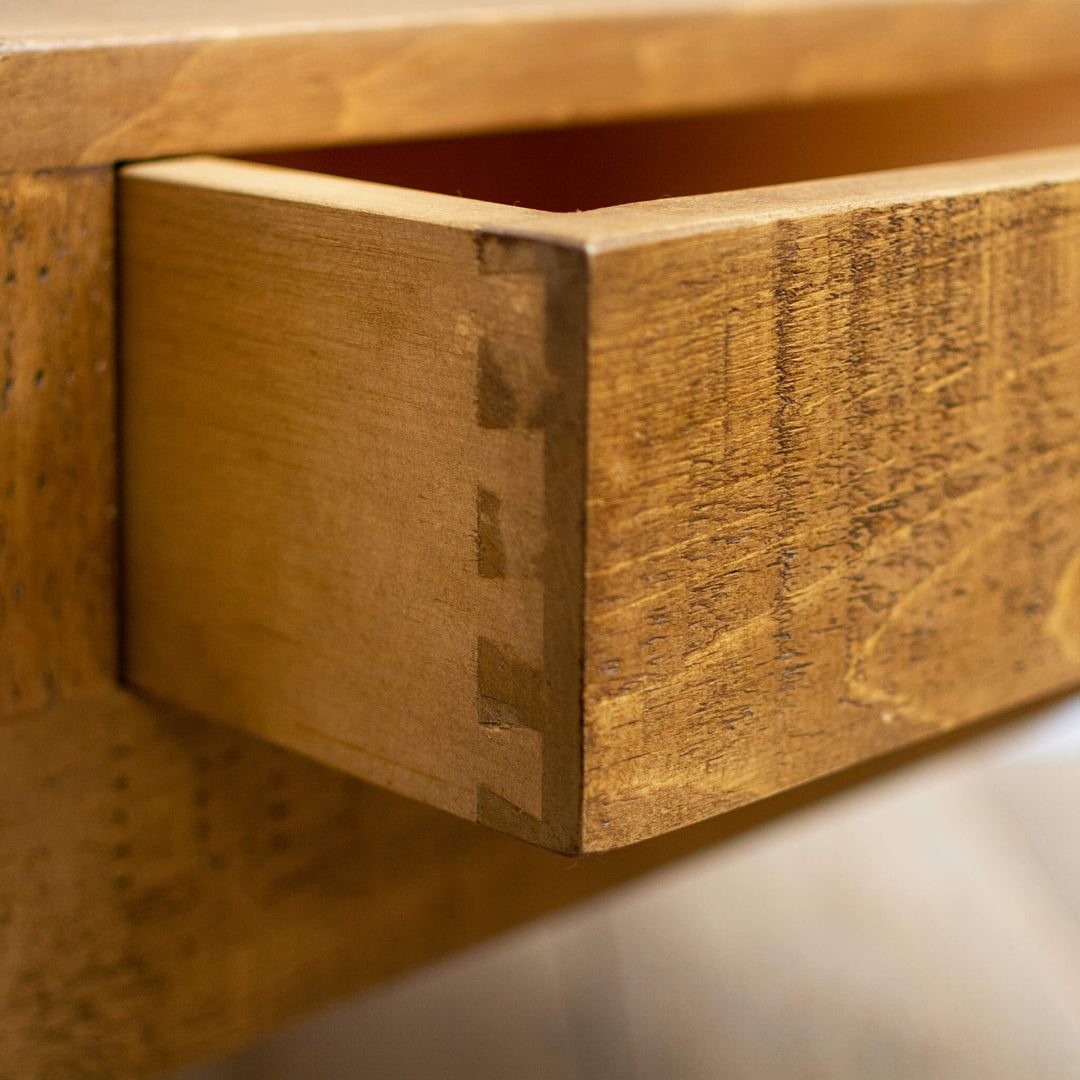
(585, 168)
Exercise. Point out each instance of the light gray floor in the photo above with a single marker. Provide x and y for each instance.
(925, 927)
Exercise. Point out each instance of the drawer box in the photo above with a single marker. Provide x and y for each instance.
(592, 525)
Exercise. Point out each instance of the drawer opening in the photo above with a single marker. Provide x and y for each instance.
(583, 168)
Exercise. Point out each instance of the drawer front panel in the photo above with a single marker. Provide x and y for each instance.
(834, 480)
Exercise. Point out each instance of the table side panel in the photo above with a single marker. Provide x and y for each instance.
(57, 445)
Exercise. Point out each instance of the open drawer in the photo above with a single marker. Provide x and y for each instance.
(590, 525)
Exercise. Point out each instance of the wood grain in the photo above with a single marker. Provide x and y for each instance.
(57, 416)
(834, 478)
(832, 471)
(107, 83)
(169, 888)
(353, 472)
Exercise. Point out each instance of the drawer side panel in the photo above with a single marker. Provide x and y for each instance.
(336, 474)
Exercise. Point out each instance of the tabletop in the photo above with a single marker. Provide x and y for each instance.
(96, 83)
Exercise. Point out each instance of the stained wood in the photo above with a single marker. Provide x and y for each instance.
(831, 472)
(115, 82)
(763, 959)
(158, 900)
(353, 471)
(834, 480)
(170, 888)
(57, 472)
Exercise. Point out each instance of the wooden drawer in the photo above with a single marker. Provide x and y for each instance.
(591, 525)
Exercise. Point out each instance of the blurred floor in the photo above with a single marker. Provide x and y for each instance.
(923, 927)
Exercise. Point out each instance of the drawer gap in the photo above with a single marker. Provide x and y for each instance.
(583, 168)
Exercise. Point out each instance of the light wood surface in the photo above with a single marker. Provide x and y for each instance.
(86, 84)
(811, 519)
